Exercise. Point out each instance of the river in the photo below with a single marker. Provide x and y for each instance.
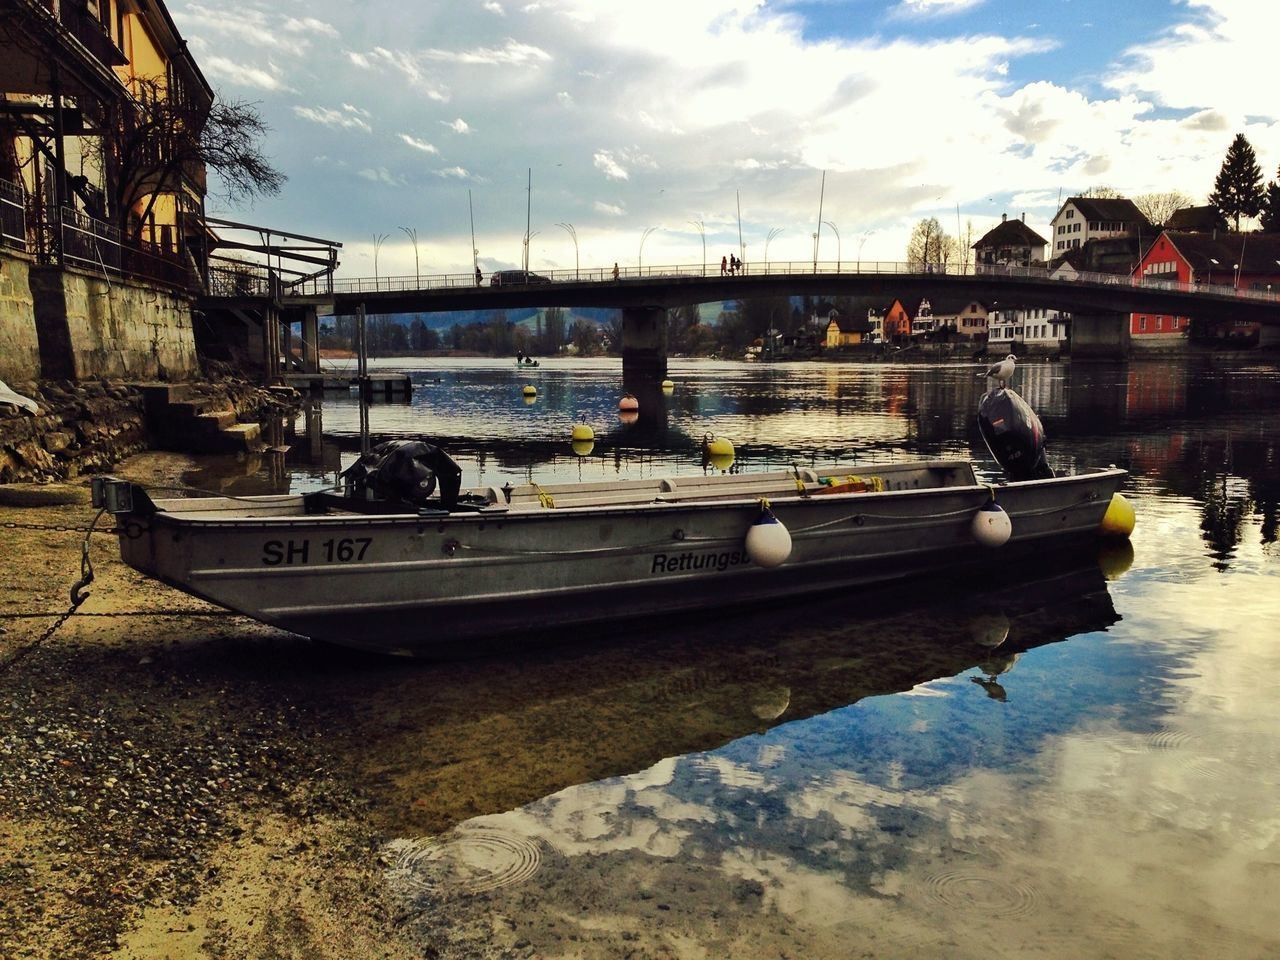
(1060, 763)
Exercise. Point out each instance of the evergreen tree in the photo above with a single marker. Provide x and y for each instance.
(1271, 207)
(1238, 189)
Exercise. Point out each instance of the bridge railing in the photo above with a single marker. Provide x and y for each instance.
(841, 268)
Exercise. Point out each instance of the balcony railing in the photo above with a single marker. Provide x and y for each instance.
(13, 216)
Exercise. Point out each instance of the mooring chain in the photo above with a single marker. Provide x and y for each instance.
(59, 527)
(53, 628)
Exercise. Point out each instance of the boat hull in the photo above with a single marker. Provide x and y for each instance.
(419, 585)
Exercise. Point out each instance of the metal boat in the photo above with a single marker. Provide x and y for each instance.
(401, 568)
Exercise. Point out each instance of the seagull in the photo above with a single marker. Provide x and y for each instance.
(1002, 371)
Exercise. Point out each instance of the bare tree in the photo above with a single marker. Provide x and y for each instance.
(158, 138)
(929, 245)
(1103, 192)
(1158, 208)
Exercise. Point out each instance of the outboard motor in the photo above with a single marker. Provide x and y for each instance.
(1014, 435)
(404, 470)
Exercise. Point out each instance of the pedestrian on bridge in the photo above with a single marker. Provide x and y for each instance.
(724, 266)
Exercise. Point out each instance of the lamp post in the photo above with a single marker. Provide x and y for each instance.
(837, 233)
(412, 234)
(815, 252)
(378, 240)
(703, 232)
(772, 233)
(643, 237)
(528, 239)
(568, 227)
(1215, 263)
(860, 243)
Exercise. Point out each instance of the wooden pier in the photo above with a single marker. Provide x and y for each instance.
(387, 385)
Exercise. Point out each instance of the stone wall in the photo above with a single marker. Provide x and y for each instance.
(19, 348)
(90, 426)
(66, 324)
(123, 329)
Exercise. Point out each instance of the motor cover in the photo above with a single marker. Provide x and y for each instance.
(1014, 435)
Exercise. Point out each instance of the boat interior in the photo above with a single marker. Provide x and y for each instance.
(533, 497)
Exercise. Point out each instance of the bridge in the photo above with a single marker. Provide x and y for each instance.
(1099, 303)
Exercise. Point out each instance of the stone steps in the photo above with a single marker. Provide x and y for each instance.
(181, 419)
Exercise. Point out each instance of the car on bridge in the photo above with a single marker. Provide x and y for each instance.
(506, 278)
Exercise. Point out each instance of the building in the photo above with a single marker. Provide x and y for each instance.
(1240, 260)
(93, 91)
(1022, 330)
(1011, 243)
(1081, 219)
(1204, 219)
(897, 322)
(956, 317)
(94, 186)
(846, 331)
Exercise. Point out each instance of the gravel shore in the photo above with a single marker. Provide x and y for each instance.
(160, 794)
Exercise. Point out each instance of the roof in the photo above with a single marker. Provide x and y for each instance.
(852, 324)
(1107, 254)
(1109, 208)
(952, 306)
(1198, 219)
(1010, 233)
(1256, 253)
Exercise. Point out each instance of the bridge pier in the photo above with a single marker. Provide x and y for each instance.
(1100, 336)
(644, 343)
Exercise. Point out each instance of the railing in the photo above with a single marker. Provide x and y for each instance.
(844, 268)
(13, 216)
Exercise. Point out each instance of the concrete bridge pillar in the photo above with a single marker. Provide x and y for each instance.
(644, 343)
(1269, 336)
(1100, 336)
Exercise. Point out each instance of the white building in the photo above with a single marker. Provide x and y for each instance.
(1038, 328)
(1082, 219)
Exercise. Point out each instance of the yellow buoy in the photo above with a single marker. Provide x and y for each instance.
(529, 390)
(582, 431)
(1119, 518)
(1115, 557)
(717, 452)
(668, 385)
(582, 448)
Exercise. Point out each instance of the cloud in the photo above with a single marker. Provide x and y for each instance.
(608, 209)
(457, 126)
(511, 53)
(243, 75)
(604, 162)
(310, 25)
(453, 173)
(338, 119)
(932, 8)
(493, 7)
(381, 175)
(419, 144)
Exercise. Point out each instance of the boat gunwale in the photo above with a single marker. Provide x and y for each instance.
(531, 513)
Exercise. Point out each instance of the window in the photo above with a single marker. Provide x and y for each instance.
(1142, 324)
(1070, 213)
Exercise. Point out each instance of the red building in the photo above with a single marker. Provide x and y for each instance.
(1241, 260)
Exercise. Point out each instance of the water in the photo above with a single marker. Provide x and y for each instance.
(1053, 763)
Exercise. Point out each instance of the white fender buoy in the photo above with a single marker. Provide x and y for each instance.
(991, 525)
(768, 541)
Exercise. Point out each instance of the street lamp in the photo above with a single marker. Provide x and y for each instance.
(772, 233)
(1215, 263)
(528, 239)
(860, 243)
(702, 230)
(378, 240)
(837, 233)
(568, 227)
(412, 234)
(643, 237)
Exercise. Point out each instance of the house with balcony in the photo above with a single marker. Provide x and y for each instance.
(1024, 330)
(1082, 219)
(92, 197)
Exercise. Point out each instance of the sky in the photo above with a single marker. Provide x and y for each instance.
(657, 129)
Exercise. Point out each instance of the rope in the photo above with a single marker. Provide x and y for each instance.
(545, 499)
